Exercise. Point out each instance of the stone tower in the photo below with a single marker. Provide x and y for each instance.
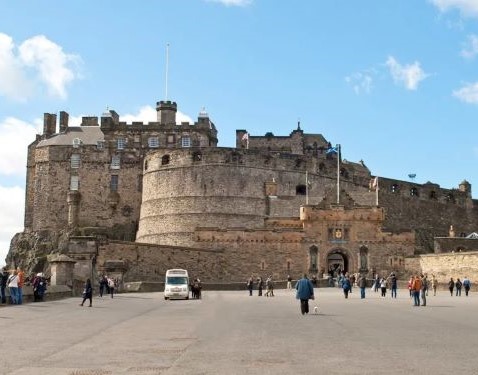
(166, 111)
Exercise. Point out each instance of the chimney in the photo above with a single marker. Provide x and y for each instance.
(49, 124)
(64, 116)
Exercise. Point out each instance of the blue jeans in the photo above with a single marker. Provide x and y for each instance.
(416, 297)
(14, 295)
(20, 296)
(362, 292)
(394, 292)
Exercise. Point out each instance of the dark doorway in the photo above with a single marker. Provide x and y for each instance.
(337, 262)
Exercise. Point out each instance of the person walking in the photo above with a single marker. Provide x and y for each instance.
(393, 285)
(12, 284)
(410, 285)
(102, 284)
(39, 287)
(289, 282)
(458, 285)
(346, 286)
(466, 285)
(3, 285)
(305, 291)
(451, 285)
(376, 283)
(424, 289)
(250, 285)
(362, 283)
(260, 285)
(111, 286)
(434, 285)
(383, 286)
(87, 293)
(21, 282)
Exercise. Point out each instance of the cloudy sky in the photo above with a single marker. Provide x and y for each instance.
(394, 82)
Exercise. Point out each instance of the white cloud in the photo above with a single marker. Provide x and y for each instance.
(468, 93)
(360, 82)
(12, 201)
(408, 75)
(470, 49)
(13, 81)
(149, 114)
(467, 8)
(36, 63)
(16, 136)
(240, 3)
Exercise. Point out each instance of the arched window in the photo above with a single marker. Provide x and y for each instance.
(300, 190)
(450, 198)
(433, 194)
(414, 192)
(165, 160)
(394, 188)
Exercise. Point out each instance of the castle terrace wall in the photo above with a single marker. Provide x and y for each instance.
(445, 266)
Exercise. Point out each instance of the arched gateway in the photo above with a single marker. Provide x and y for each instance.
(337, 261)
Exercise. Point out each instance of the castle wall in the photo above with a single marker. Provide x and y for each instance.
(445, 266)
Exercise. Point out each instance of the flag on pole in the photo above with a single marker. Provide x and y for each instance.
(332, 150)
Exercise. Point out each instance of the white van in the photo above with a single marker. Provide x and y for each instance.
(176, 284)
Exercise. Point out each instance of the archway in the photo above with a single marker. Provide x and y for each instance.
(337, 261)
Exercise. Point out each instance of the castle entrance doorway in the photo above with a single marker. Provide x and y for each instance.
(337, 262)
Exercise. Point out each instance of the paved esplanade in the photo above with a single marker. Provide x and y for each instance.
(232, 333)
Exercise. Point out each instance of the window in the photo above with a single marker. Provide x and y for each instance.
(74, 183)
(186, 141)
(197, 156)
(165, 160)
(75, 161)
(394, 188)
(121, 143)
(76, 142)
(433, 195)
(414, 192)
(100, 145)
(300, 190)
(153, 142)
(115, 162)
(114, 183)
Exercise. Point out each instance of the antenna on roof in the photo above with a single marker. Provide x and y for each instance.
(167, 68)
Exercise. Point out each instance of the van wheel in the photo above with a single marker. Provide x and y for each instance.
(166, 298)
(187, 297)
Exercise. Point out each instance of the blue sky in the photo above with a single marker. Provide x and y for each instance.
(394, 82)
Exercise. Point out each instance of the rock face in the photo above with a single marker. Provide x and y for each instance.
(168, 185)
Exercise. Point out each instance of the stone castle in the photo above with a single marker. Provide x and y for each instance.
(137, 199)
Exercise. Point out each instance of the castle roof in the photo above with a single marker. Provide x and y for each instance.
(89, 135)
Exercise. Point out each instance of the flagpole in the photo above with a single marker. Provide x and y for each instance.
(306, 188)
(338, 174)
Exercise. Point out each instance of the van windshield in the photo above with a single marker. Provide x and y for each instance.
(175, 280)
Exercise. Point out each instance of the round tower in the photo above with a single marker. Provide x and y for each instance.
(465, 187)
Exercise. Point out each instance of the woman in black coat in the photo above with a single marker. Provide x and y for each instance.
(87, 293)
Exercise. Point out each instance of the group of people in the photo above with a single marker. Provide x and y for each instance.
(458, 284)
(269, 284)
(106, 283)
(196, 288)
(14, 281)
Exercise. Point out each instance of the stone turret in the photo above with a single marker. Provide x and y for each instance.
(465, 187)
(166, 111)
